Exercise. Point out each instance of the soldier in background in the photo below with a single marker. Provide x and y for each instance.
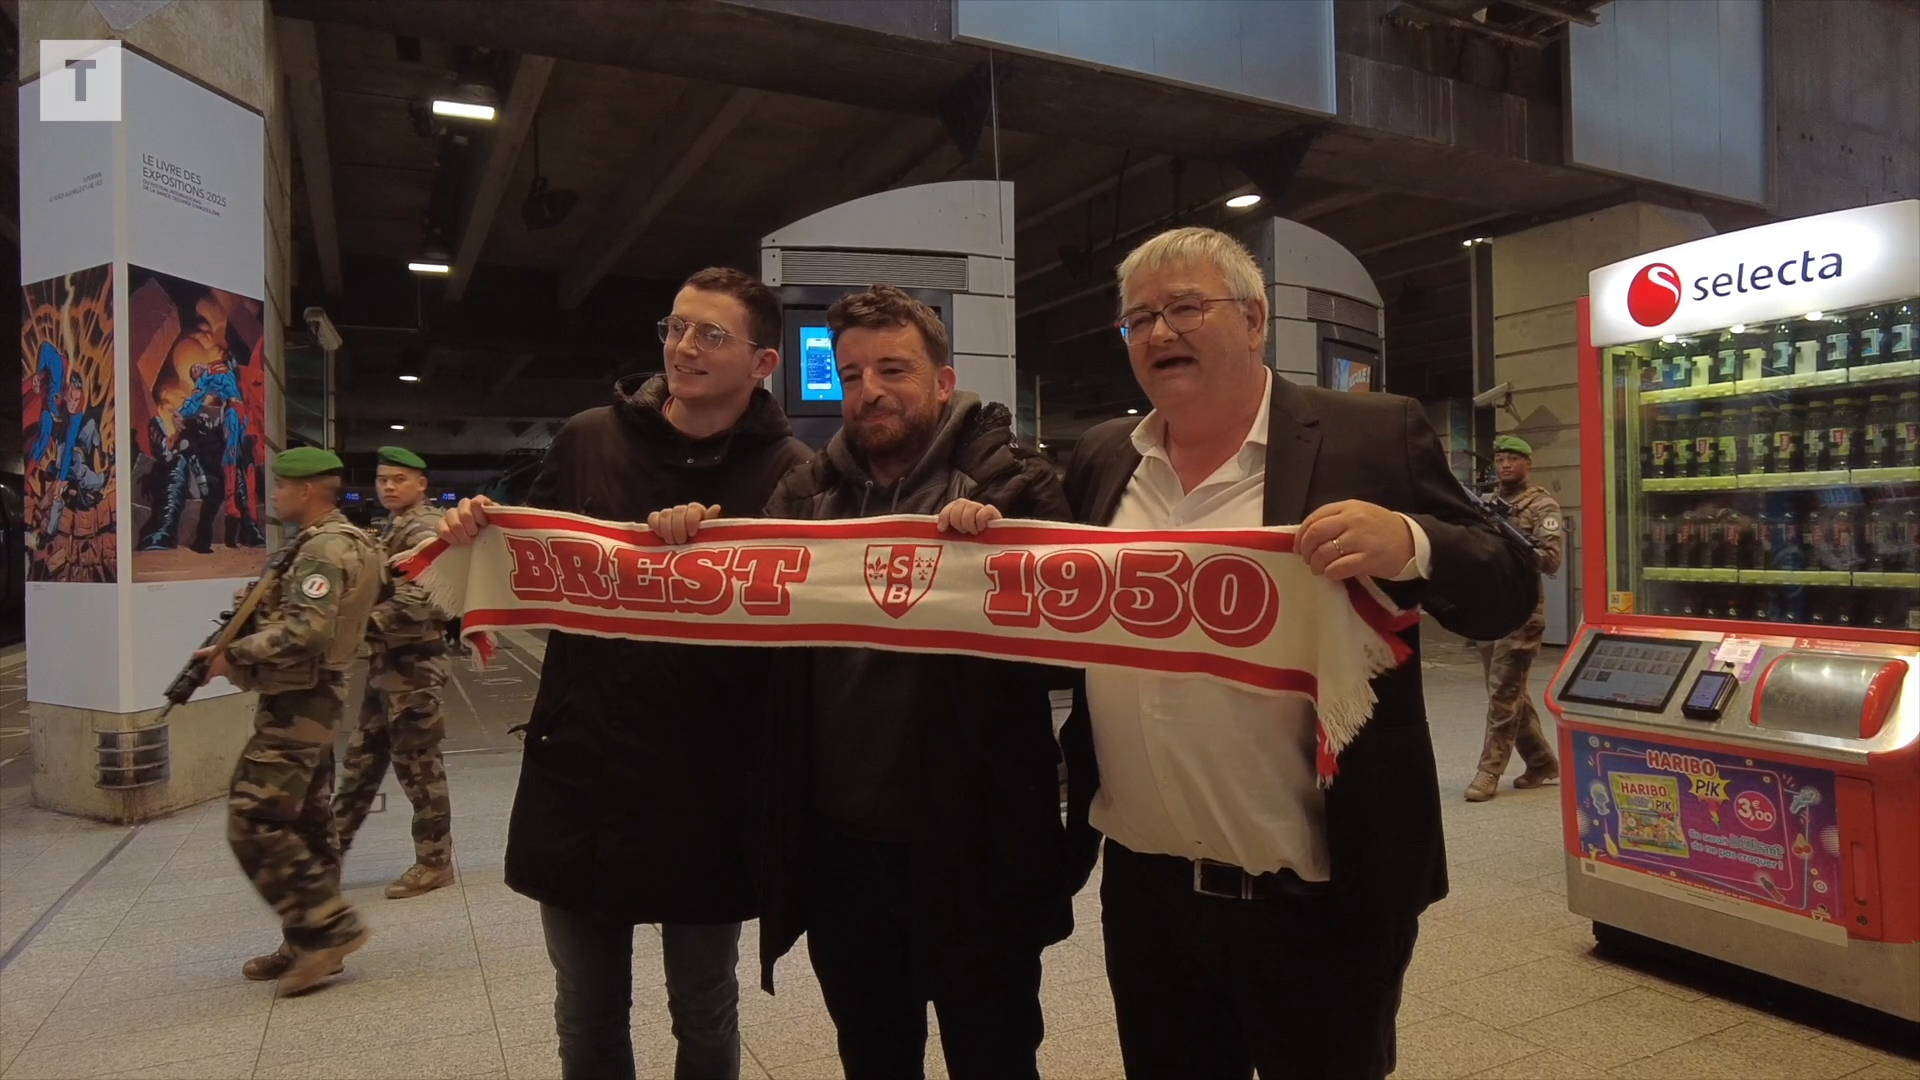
(400, 719)
(297, 655)
(1511, 717)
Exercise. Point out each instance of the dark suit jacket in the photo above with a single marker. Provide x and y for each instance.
(1383, 811)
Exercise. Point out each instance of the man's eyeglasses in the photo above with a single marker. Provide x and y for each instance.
(707, 336)
(1182, 317)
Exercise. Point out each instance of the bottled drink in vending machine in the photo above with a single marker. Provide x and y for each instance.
(1872, 338)
(1761, 537)
(1700, 360)
(1659, 455)
(1836, 538)
(1706, 441)
(1726, 359)
(1903, 333)
(1690, 549)
(1789, 422)
(1881, 434)
(1815, 454)
(1685, 424)
(1843, 435)
(1836, 345)
(1906, 430)
(1884, 554)
(1909, 540)
(1759, 446)
(1780, 351)
(1729, 440)
(1660, 538)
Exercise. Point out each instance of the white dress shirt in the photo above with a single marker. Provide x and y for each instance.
(1193, 766)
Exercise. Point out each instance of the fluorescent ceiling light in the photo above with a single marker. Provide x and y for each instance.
(1738, 328)
(462, 109)
(1133, 412)
(398, 427)
(1670, 338)
(1816, 316)
(1240, 202)
(409, 378)
(430, 268)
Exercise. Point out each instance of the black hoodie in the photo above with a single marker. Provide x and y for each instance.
(630, 798)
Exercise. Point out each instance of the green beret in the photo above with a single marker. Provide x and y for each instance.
(306, 462)
(1512, 444)
(401, 456)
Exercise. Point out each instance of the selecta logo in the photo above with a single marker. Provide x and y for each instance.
(1654, 294)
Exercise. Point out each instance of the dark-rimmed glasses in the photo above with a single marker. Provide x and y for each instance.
(1182, 317)
(706, 336)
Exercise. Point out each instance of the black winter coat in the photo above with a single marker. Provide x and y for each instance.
(989, 860)
(636, 790)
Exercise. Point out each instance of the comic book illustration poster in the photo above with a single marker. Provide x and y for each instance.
(66, 399)
(1760, 830)
(199, 428)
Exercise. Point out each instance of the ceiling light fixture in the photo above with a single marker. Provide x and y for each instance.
(463, 110)
(545, 206)
(1241, 202)
(430, 268)
(1816, 316)
(398, 427)
(1738, 328)
(1669, 338)
(409, 378)
(1133, 412)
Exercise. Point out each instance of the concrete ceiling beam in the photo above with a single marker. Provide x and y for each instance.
(306, 98)
(511, 372)
(699, 121)
(509, 135)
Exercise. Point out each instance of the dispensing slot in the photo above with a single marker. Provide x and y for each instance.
(1826, 693)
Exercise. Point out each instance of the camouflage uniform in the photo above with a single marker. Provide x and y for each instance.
(400, 717)
(279, 814)
(1511, 717)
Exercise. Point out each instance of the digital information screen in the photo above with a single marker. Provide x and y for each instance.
(1629, 672)
(819, 375)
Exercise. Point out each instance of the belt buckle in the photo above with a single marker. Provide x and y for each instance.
(1244, 892)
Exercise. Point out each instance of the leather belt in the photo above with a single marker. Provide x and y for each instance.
(1230, 882)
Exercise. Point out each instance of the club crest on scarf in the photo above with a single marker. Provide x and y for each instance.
(898, 575)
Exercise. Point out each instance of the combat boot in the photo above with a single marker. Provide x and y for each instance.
(310, 969)
(419, 880)
(1485, 786)
(1537, 777)
(273, 965)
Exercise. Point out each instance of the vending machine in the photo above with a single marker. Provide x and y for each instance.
(1739, 713)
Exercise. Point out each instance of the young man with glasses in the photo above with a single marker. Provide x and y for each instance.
(1253, 918)
(636, 792)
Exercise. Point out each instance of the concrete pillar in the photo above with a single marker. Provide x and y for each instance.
(1537, 277)
(155, 255)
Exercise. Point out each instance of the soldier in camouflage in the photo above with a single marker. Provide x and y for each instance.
(297, 655)
(1511, 717)
(400, 719)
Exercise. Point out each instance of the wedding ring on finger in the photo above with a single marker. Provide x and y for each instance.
(1339, 549)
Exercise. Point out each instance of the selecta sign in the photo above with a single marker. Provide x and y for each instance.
(1827, 263)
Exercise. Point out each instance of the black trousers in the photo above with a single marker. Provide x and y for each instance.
(1207, 988)
(860, 931)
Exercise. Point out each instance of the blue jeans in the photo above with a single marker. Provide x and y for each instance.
(593, 978)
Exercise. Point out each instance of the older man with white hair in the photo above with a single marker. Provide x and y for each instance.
(1260, 895)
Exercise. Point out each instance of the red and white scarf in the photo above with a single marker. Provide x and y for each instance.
(1232, 604)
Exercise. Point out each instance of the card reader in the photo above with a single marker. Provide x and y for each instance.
(1709, 695)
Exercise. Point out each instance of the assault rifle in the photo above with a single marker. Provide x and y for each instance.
(229, 625)
(1500, 512)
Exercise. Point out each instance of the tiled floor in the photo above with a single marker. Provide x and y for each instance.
(136, 975)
